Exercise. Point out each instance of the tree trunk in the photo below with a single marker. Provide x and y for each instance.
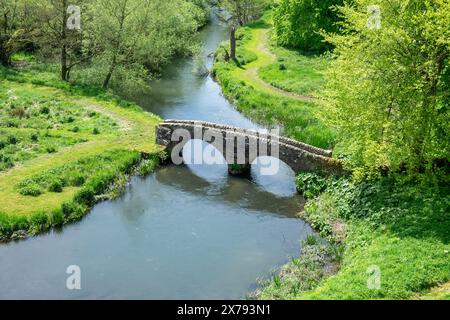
(64, 69)
(233, 43)
(110, 73)
(5, 58)
(4, 55)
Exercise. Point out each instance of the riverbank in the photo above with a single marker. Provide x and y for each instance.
(390, 236)
(63, 149)
(245, 83)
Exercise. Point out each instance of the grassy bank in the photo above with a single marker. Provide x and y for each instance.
(261, 85)
(399, 229)
(63, 148)
(389, 237)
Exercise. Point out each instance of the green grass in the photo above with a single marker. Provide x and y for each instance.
(64, 145)
(36, 122)
(295, 72)
(23, 57)
(402, 228)
(258, 99)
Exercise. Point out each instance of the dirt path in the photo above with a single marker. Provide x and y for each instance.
(259, 45)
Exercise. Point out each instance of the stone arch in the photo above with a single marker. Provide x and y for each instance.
(238, 146)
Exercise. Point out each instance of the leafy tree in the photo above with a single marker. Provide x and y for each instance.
(16, 26)
(388, 90)
(240, 12)
(72, 46)
(118, 27)
(172, 33)
(298, 23)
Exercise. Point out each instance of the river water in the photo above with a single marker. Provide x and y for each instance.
(188, 232)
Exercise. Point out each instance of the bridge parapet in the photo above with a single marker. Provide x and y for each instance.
(299, 156)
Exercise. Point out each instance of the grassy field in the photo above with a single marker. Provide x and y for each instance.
(277, 102)
(62, 147)
(295, 72)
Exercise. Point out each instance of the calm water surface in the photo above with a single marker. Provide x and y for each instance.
(189, 232)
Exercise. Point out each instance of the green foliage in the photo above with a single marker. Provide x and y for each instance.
(311, 185)
(83, 174)
(299, 23)
(120, 43)
(44, 126)
(243, 55)
(31, 189)
(298, 118)
(295, 72)
(387, 91)
(396, 224)
(300, 275)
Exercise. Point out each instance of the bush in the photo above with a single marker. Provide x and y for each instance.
(31, 189)
(56, 186)
(57, 218)
(85, 196)
(311, 185)
(298, 23)
(34, 137)
(18, 112)
(77, 180)
(12, 139)
(50, 149)
(40, 221)
(45, 110)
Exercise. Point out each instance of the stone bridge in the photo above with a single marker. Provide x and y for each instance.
(240, 147)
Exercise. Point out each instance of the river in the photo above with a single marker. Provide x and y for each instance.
(187, 232)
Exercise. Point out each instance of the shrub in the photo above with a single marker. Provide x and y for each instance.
(85, 196)
(96, 131)
(77, 180)
(298, 23)
(40, 221)
(45, 110)
(18, 112)
(50, 149)
(311, 184)
(32, 189)
(34, 137)
(56, 186)
(57, 218)
(12, 139)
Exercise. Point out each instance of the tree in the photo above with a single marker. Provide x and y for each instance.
(299, 23)
(118, 27)
(387, 91)
(240, 12)
(16, 25)
(73, 46)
